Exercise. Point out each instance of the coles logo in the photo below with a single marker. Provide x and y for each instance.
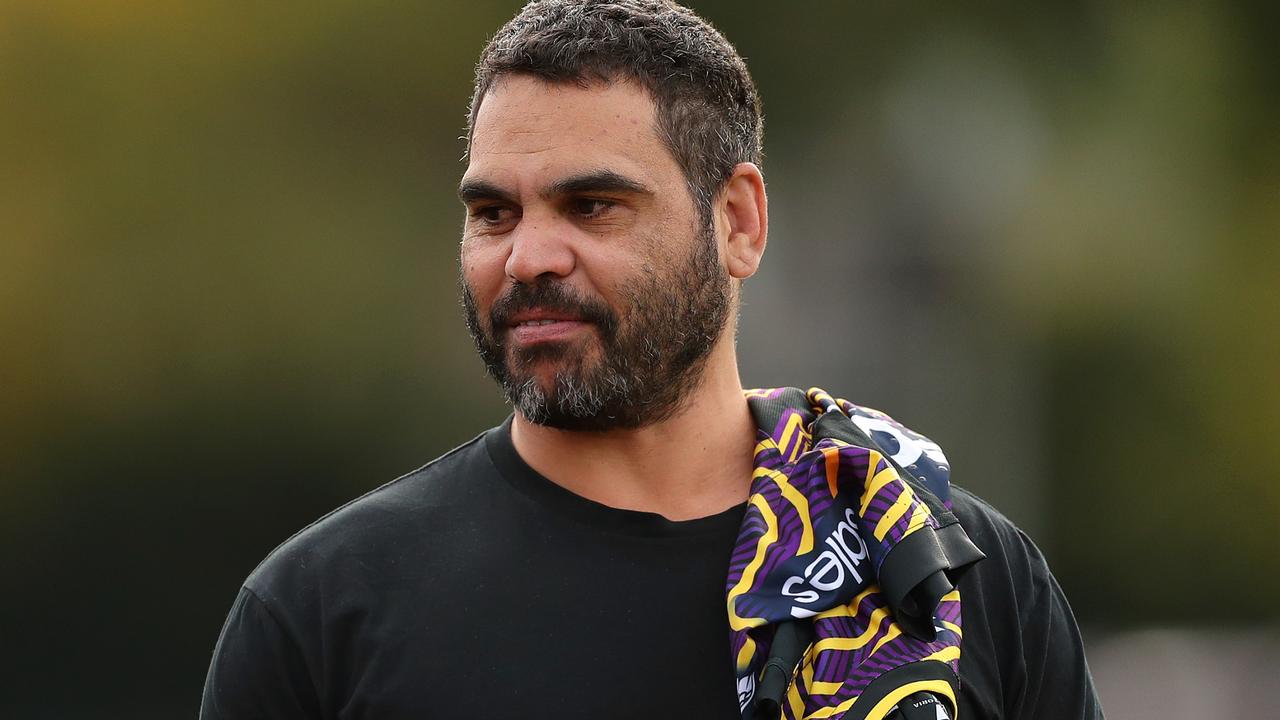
(845, 556)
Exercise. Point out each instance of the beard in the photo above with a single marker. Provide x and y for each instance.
(649, 356)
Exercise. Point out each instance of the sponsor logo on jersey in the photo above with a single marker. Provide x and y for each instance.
(846, 554)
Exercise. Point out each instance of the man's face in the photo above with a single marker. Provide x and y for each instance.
(592, 291)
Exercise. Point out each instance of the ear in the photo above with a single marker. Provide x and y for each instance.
(744, 211)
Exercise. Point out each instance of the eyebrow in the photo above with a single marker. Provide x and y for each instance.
(474, 190)
(597, 181)
(594, 181)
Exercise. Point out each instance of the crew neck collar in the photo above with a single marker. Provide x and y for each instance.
(546, 493)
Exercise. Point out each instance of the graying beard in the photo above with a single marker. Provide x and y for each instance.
(572, 397)
(529, 399)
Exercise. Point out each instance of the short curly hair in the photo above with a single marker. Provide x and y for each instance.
(708, 110)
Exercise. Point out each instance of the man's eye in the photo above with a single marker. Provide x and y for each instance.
(491, 214)
(590, 208)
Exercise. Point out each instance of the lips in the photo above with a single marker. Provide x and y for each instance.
(548, 312)
(538, 317)
(532, 327)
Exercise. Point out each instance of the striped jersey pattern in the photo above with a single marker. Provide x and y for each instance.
(821, 519)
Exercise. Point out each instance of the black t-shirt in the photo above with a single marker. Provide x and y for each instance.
(476, 588)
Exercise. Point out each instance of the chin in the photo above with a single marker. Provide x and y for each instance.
(548, 359)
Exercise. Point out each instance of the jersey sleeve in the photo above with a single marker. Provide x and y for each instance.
(257, 671)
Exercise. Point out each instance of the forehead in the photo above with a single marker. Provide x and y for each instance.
(531, 130)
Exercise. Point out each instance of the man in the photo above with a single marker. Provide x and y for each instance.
(573, 562)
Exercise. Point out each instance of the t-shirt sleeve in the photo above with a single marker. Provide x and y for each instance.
(257, 672)
(1022, 655)
(1058, 683)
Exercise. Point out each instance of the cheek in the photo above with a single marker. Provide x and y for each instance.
(483, 270)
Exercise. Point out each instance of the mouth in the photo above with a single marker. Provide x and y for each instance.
(538, 326)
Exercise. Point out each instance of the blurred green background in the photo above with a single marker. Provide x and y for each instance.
(1045, 234)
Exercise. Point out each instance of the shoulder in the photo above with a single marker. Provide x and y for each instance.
(344, 580)
(377, 528)
(1023, 655)
(1014, 568)
(984, 524)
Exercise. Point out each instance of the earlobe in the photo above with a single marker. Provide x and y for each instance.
(745, 210)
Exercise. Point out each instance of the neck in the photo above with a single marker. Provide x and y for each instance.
(694, 464)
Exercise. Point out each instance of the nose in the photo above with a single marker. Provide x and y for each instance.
(539, 246)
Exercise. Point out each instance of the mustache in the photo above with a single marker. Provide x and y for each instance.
(553, 296)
